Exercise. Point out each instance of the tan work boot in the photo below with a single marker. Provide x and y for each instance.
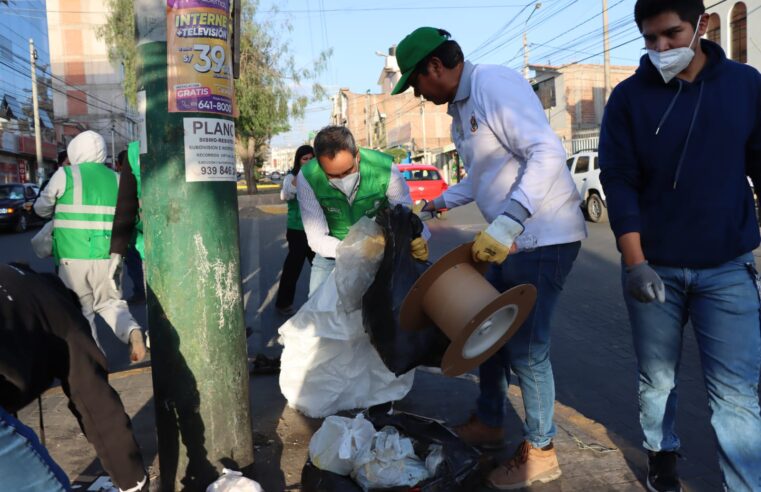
(136, 345)
(528, 465)
(476, 433)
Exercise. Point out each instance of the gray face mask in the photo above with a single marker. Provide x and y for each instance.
(671, 63)
(347, 184)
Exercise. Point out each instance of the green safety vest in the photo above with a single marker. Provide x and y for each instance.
(84, 213)
(294, 214)
(374, 176)
(133, 156)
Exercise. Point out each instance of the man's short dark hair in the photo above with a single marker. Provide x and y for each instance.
(123, 159)
(62, 156)
(687, 10)
(332, 140)
(449, 52)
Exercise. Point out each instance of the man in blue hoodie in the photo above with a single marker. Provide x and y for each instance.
(678, 140)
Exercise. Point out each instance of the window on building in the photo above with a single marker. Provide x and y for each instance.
(714, 29)
(738, 28)
(582, 165)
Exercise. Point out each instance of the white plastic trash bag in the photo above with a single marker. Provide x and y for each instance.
(358, 258)
(338, 441)
(234, 481)
(42, 242)
(328, 363)
(389, 461)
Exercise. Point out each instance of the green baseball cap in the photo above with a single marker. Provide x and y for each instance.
(411, 51)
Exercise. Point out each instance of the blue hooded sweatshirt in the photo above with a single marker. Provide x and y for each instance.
(675, 157)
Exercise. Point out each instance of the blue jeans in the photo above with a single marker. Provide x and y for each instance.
(723, 305)
(321, 268)
(528, 352)
(25, 465)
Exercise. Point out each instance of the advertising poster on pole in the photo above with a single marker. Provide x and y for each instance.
(199, 62)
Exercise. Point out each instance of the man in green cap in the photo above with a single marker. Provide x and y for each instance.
(517, 176)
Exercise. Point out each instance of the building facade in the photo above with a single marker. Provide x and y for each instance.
(382, 121)
(89, 92)
(736, 26)
(573, 97)
(20, 22)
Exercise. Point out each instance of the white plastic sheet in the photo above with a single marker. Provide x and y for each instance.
(358, 258)
(389, 461)
(335, 445)
(234, 481)
(328, 363)
(42, 242)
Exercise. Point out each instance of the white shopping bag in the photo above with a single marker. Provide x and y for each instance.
(234, 481)
(338, 441)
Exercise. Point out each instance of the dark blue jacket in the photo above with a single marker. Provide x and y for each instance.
(675, 157)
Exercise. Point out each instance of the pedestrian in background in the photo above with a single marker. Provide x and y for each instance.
(81, 198)
(516, 173)
(298, 247)
(127, 232)
(678, 138)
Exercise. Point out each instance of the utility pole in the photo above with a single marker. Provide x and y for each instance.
(40, 171)
(422, 122)
(368, 120)
(192, 258)
(537, 6)
(606, 48)
(113, 149)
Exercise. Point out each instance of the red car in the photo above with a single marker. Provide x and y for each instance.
(424, 181)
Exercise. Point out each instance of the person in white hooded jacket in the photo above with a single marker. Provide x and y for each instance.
(81, 199)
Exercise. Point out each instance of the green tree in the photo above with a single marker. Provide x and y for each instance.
(266, 92)
(119, 34)
(397, 153)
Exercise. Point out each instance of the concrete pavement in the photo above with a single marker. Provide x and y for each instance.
(598, 433)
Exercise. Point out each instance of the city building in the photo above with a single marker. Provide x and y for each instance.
(573, 96)
(736, 26)
(382, 121)
(89, 91)
(20, 22)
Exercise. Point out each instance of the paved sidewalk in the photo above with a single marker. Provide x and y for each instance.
(588, 456)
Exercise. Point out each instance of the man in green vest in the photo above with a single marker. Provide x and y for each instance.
(81, 198)
(128, 226)
(341, 185)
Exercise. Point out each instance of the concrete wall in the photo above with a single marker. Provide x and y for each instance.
(724, 11)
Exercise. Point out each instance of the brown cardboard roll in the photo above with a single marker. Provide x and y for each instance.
(476, 318)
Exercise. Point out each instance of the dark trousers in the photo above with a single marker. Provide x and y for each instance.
(298, 251)
(135, 271)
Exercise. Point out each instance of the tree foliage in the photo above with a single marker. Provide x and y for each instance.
(269, 90)
(119, 34)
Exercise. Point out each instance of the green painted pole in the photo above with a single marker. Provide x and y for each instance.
(195, 309)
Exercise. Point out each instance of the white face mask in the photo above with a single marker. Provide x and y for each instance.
(671, 63)
(346, 184)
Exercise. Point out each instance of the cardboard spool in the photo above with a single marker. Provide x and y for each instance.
(477, 319)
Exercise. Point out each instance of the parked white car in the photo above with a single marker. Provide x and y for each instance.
(585, 169)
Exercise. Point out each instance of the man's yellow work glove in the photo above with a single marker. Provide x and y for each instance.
(494, 243)
(419, 249)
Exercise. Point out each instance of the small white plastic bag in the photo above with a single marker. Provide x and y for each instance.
(234, 481)
(338, 441)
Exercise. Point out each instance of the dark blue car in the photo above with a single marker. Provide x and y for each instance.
(13, 215)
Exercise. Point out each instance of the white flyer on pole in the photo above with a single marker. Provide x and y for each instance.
(209, 149)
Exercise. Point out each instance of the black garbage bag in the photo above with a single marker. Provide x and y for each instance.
(459, 472)
(399, 349)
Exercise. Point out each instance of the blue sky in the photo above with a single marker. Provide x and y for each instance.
(560, 31)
